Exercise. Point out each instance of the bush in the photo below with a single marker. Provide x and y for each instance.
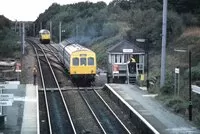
(177, 104)
(110, 29)
(168, 88)
(197, 119)
(189, 19)
(180, 107)
(195, 73)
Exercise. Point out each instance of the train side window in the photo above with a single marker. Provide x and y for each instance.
(75, 61)
(83, 61)
(90, 61)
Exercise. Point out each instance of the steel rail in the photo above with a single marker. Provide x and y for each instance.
(54, 54)
(94, 115)
(112, 111)
(63, 100)
(54, 66)
(41, 74)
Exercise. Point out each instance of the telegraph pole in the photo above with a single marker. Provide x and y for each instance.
(164, 35)
(76, 33)
(34, 29)
(15, 25)
(20, 36)
(40, 25)
(190, 88)
(60, 25)
(50, 29)
(23, 37)
(20, 30)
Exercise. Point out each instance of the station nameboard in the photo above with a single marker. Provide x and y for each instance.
(9, 86)
(12, 82)
(6, 103)
(6, 99)
(177, 70)
(127, 50)
(6, 96)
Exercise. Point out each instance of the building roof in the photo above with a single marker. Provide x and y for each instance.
(124, 44)
(71, 47)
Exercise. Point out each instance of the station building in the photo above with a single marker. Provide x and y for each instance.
(118, 57)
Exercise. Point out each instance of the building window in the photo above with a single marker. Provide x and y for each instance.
(126, 57)
(115, 58)
(120, 58)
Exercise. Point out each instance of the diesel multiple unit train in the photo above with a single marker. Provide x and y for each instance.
(79, 61)
(44, 36)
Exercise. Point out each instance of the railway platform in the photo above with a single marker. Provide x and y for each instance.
(30, 124)
(20, 110)
(149, 111)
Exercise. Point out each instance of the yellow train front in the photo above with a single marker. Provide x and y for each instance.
(79, 62)
(44, 36)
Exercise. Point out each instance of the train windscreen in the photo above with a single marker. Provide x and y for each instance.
(83, 61)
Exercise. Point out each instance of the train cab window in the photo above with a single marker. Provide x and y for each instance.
(75, 61)
(90, 61)
(83, 61)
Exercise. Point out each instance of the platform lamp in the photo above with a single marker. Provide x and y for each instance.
(146, 47)
(190, 80)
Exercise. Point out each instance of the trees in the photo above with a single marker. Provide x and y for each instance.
(7, 38)
(4, 22)
(185, 7)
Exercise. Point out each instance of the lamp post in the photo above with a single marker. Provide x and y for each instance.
(146, 47)
(190, 81)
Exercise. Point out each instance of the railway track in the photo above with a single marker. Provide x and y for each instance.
(103, 114)
(72, 109)
(57, 119)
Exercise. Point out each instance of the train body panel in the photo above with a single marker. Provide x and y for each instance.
(44, 36)
(78, 60)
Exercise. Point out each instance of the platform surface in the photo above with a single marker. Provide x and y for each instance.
(30, 117)
(163, 120)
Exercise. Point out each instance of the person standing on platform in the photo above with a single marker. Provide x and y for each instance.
(34, 74)
(132, 65)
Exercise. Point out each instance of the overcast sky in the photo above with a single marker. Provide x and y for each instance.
(29, 10)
